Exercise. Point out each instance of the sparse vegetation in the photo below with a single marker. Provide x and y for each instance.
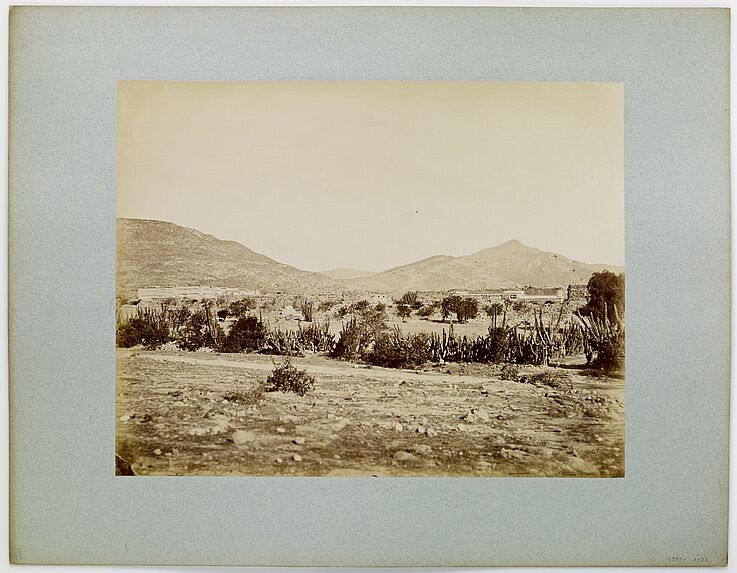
(551, 378)
(287, 378)
(246, 394)
(248, 333)
(307, 308)
(463, 308)
(403, 311)
(398, 350)
(148, 328)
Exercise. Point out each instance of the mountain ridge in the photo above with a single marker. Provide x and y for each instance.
(160, 253)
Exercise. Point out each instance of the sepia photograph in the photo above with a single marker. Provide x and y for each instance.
(365, 279)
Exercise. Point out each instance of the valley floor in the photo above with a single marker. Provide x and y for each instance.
(174, 418)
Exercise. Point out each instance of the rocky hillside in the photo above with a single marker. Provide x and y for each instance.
(158, 253)
(507, 265)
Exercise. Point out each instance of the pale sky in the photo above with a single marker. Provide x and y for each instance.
(372, 175)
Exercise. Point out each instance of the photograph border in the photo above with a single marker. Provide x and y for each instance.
(65, 505)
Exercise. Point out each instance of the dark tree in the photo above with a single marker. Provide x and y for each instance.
(606, 293)
(403, 311)
(463, 308)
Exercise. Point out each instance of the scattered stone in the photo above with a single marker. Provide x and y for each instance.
(198, 431)
(288, 418)
(175, 451)
(423, 449)
(281, 430)
(278, 460)
(157, 451)
(299, 440)
(336, 456)
(168, 454)
(516, 454)
(547, 452)
(225, 401)
(297, 458)
(341, 425)
(242, 437)
(240, 413)
(461, 427)
(125, 418)
(402, 456)
(431, 433)
(398, 427)
(483, 465)
(421, 429)
(482, 415)
(220, 428)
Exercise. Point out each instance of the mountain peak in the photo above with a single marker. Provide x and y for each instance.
(511, 246)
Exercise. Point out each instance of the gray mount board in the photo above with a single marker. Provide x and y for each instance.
(67, 506)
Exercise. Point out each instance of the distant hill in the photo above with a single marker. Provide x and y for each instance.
(507, 265)
(344, 274)
(158, 253)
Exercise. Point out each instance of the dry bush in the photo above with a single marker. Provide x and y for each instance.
(551, 378)
(248, 395)
(286, 378)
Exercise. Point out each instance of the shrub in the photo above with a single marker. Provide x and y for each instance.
(497, 344)
(200, 331)
(409, 298)
(251, 394)
(610, 354)
(403, 311)
(247, 333)
(359, 334)
(463, 308)
(240, 308)
(287, 378)
(552, 378)
(149, 328)
(396, 350)
(381, 307)
(425, 311)
(142, 331)
(509, 372)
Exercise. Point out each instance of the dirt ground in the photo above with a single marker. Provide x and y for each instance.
(179, 413)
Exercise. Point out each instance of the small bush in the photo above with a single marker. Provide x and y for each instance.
(199, 332)
(509, 372)
(240, 308)
(286, 378)
(551, 378)
(425, 311)
(610, 354)
(247, 333)
(248, 395)
(142, 331)
(396, 350)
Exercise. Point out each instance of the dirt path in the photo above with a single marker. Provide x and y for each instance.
(188, 415)
(262, 363)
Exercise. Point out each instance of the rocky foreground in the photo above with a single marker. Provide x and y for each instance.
(199, 414)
